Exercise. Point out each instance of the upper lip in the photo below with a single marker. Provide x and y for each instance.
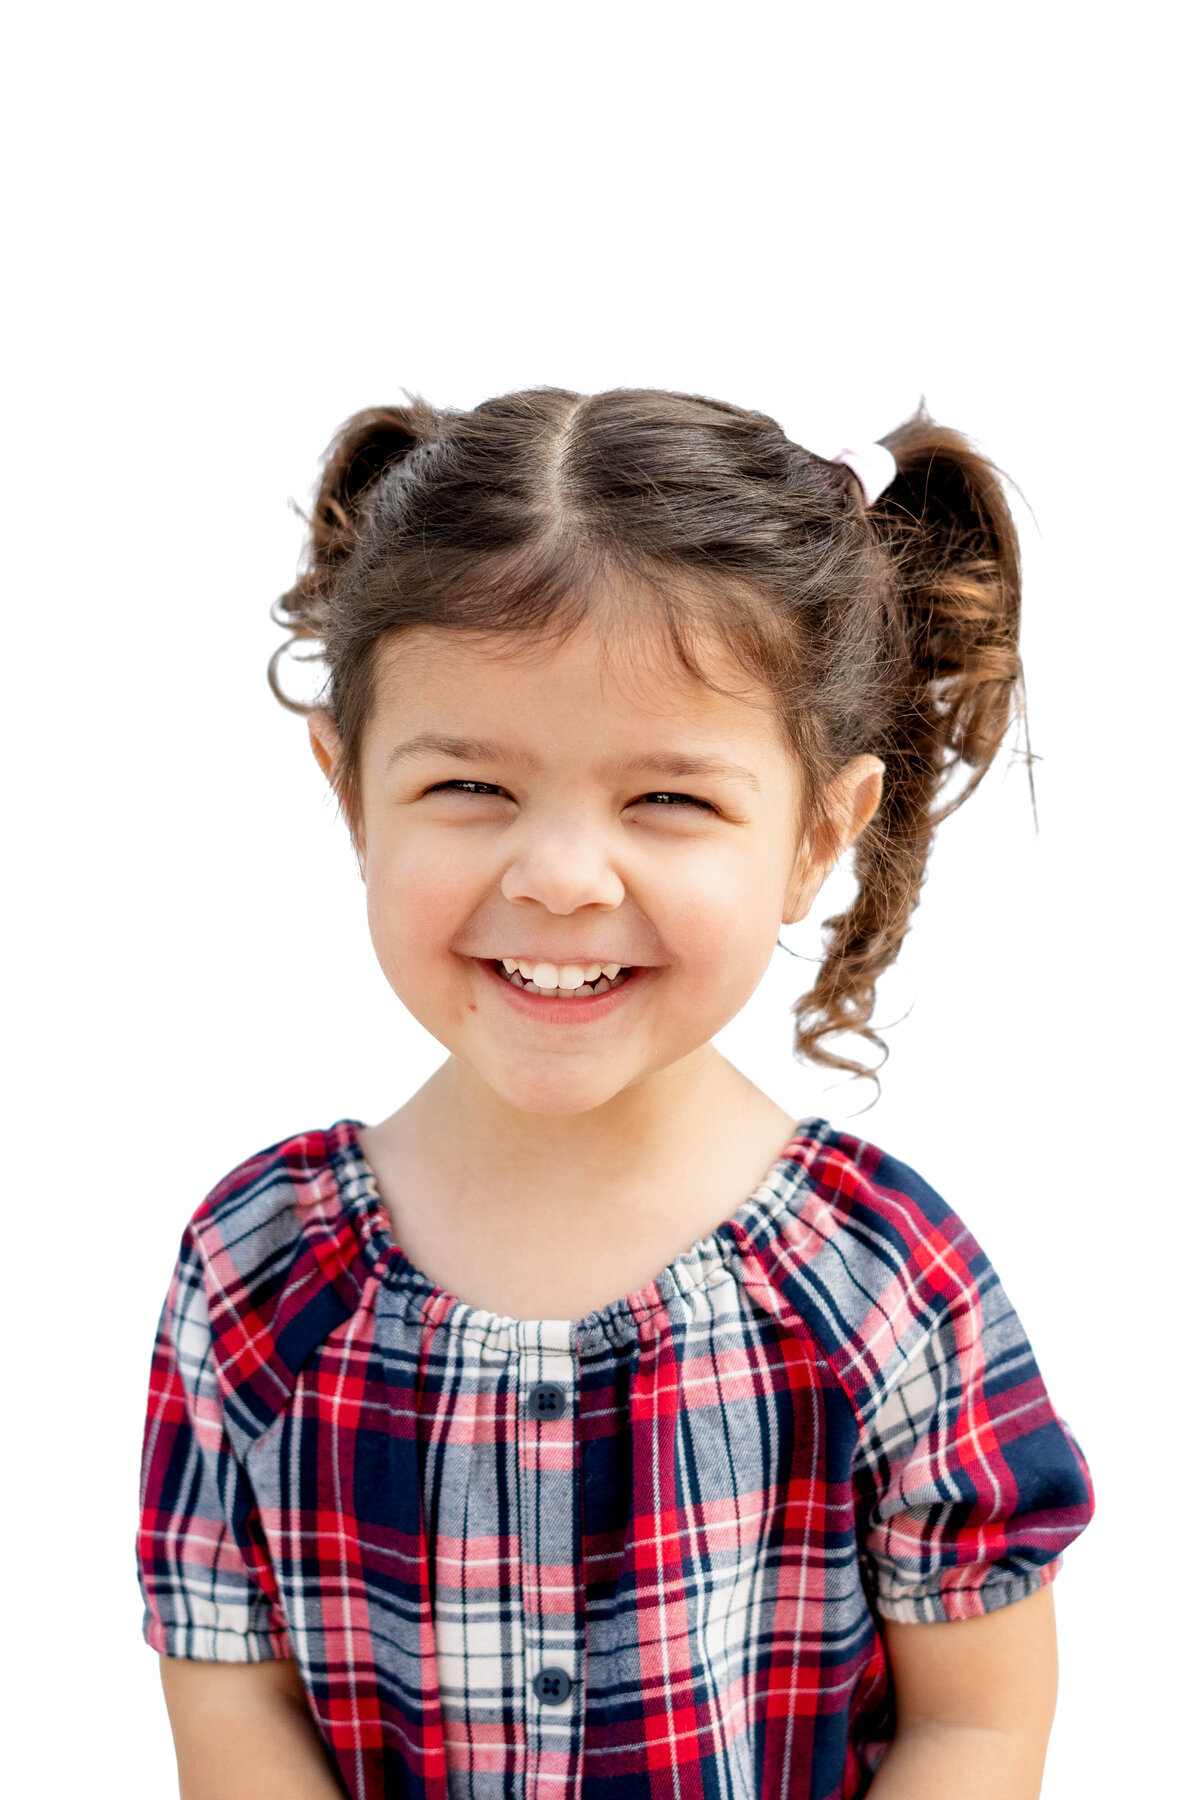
(559, 962)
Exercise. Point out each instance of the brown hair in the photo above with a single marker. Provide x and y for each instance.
(889, 629)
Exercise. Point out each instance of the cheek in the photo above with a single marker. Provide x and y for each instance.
(415, 901)
(725, 926)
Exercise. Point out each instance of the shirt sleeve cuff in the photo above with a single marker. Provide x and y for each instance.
(940, 1605)
(211, 1643)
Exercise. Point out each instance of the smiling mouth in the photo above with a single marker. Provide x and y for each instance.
(601, 986)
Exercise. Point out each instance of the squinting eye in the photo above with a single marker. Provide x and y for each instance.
(464, 787)
(677, 799)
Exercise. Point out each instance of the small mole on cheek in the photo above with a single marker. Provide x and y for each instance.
(472, 1006)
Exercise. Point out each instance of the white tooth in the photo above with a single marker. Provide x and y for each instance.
(527, 970)
(571, 976)
(509, 964)
(545, 975)
(593, 972)
(602, 986)
(611, 969)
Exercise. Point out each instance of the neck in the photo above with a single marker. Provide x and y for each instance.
(681, 1117)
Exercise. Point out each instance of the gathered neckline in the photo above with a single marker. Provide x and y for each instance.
(705, 1260)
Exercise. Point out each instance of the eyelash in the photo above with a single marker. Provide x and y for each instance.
(478, 786)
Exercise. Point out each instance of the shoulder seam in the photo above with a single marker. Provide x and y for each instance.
(793, 1313)
(807, 1189)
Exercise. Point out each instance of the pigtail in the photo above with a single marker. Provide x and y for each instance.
(363, 451)
(956, 684)
(953, 544)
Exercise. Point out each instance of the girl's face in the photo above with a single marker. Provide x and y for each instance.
(546, 807)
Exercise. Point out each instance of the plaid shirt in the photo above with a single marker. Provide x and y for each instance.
(643, 1555)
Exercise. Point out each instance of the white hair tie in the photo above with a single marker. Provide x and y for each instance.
(874, 467)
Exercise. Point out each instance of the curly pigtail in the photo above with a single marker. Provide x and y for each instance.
(954, 672)
(362, 452)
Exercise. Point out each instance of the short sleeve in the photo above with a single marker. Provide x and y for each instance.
(971, 1485)
(203, 1565)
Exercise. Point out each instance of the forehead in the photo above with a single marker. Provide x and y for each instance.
(615, 671)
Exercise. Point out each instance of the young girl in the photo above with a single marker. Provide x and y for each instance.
(590, 1429)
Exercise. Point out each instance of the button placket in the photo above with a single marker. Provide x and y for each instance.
(548, 1408)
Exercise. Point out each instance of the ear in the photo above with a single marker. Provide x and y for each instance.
(851, 802)
(326, 744)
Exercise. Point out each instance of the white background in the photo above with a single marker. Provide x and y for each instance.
(235, 225)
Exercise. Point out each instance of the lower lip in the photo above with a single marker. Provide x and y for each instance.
(585, 1010)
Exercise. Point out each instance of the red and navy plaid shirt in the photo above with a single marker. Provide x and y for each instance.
(642, 1555)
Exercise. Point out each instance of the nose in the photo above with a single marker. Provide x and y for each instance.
(562, 864)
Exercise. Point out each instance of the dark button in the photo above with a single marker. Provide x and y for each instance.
(547, 1401)
(552, 1686)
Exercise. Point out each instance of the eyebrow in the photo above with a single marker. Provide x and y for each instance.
(676, 762)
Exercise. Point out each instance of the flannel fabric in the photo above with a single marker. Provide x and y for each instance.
(643, 1555)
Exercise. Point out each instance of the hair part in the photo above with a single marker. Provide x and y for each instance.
(890, 630)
